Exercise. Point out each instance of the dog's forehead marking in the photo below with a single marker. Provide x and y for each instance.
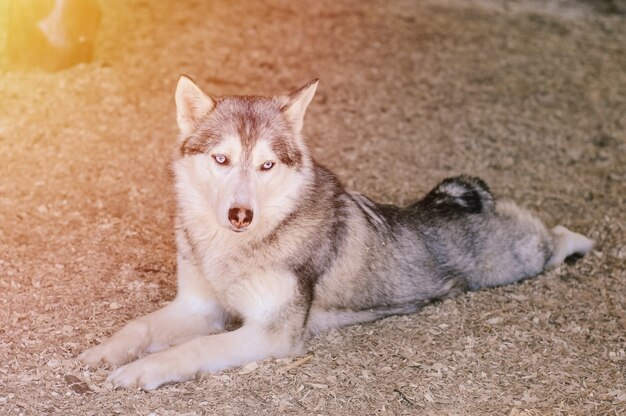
(250, 120)
(256, 120)
(262, 120)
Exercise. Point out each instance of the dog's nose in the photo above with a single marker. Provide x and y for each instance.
(240, 217)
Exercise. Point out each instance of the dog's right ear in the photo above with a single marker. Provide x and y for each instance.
(191, 105)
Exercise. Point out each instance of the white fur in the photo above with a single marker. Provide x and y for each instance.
(191, 105)
(366, 205)
(566, 243)
(299, 103)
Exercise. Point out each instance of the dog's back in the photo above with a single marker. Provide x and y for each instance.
(393, 260)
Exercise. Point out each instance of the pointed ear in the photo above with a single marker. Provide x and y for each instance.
(297, 103)
(191, 105)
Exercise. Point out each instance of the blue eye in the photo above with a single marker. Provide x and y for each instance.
(267, 165)
(220, 159)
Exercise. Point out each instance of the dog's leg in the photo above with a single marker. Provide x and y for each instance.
(180, 320)
(566, 243)
(273, 312)
(206, 354)
(191, 313)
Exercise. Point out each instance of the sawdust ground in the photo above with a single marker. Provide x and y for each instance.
(531, 97)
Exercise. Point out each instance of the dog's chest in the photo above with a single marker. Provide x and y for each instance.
(243, 275)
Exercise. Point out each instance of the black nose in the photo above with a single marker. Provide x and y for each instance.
(240, 217)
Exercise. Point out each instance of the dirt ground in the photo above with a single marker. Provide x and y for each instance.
(531, 97)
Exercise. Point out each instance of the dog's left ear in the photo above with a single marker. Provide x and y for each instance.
(191, 105)
(297, 103)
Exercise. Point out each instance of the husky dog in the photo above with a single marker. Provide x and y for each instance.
(269, 237)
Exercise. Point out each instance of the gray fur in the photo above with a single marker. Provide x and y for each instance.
(434, 248)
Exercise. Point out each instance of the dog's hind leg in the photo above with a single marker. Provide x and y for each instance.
(567, 243)
(323, 319)
(519, 246)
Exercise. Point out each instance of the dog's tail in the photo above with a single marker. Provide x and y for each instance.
(566, 243)
(460, 194)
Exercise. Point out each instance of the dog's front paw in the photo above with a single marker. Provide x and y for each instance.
(120, 349)
(112, 353)
(151, 372)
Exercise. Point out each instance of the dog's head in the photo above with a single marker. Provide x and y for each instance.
(242, 161)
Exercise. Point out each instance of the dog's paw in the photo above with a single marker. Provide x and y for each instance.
(150, 372)
(115, 351)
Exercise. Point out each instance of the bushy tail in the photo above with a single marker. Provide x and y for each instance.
(459, 194)
(566, 243)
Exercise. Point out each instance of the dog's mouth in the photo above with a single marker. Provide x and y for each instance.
(238, 230)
